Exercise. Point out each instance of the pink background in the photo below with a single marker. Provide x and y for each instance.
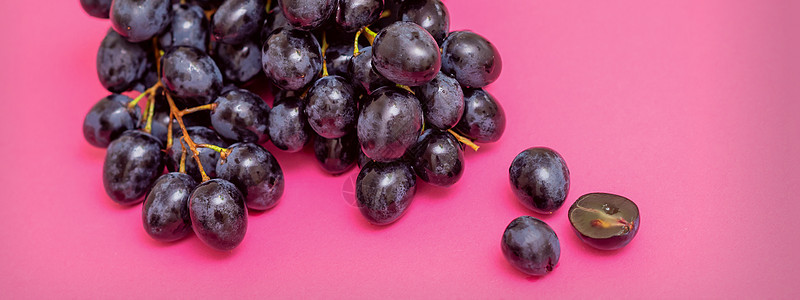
(690, 108)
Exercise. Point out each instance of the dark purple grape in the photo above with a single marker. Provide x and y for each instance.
(208, 157)
(337, 156)
(384, 191)
(189, 27)
(389, 123)
(540, 179)
(331, 107)
(133, 162)
(442, 101)
(430, 14)
(218, 214)
(438, 158)
(239, 63)
(406, 54)
(339, 54)
(288, 124)
(531, 246)
(108, 119)
(363, 74)
(140, 20)
(97, 8)
(307, 14)
(351, 15)
(604, 221)
(393, 9)
(363, 159)
(191, 76)
(241, 116)
(291, 58)
(471, 59)
(274, 19)
(484, 119)
(165, 212)
(120, 63)
(237, 20)
(255, 172)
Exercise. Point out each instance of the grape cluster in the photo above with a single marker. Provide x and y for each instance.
(380, 84)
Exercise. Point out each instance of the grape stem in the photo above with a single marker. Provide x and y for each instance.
(324, 57)
(407, 88)
(189, 143)
(385, 14)
(187, 111)
(151, 105)
(223, 152)
(464, 140)
(182, 167)
(146, 93)
(369, 34)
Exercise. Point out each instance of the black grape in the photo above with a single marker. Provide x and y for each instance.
(430, 14)
(484, 119)
(191, 76)
(471, 59)
(108, 119)
(351, 15)
(389, 123)
(189, 27)
(442, 101)
(218, 214)
(291, 58)
(331, 107)
(540, 178)
(239, 63)
(338, 155)
(241, 116)
(140, 20)
(133, 162)
(165, 212)
(288, 124)
(255, 172)
(438, 158)
(208, 157)
(406, 54)
(384, 191)
(363, 75)
(237, 20)
(120, 63)
(307, 14)
(97, 8)
(531, 246)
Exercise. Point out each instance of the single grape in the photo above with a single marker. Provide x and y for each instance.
(531, 246)
(540, 179)
(274, 19)
(288, 124)
(389, 123)
(241, 116)
(237, 20)
(255, 172)
(165, 213)
(471, 59)
(406, 54)
(604, 221)
(363, 74)
(384, 191)
(133, 162)
(307, 14)
(291, 58)
(442, 101)
(239, 63)
(339, 54)
(484, 119)
(191, 76)
(108, 119)
(140, 20)
(351, 15)
(120, 63)
(189, 27)
(331, 107)
(218, 214)
(97, 8)
(338, 155)
(438, 158)
(208, 157)
(430, 14)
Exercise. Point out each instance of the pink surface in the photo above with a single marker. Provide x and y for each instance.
(690, 108)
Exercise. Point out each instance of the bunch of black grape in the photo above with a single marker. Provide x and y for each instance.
(381, 84)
